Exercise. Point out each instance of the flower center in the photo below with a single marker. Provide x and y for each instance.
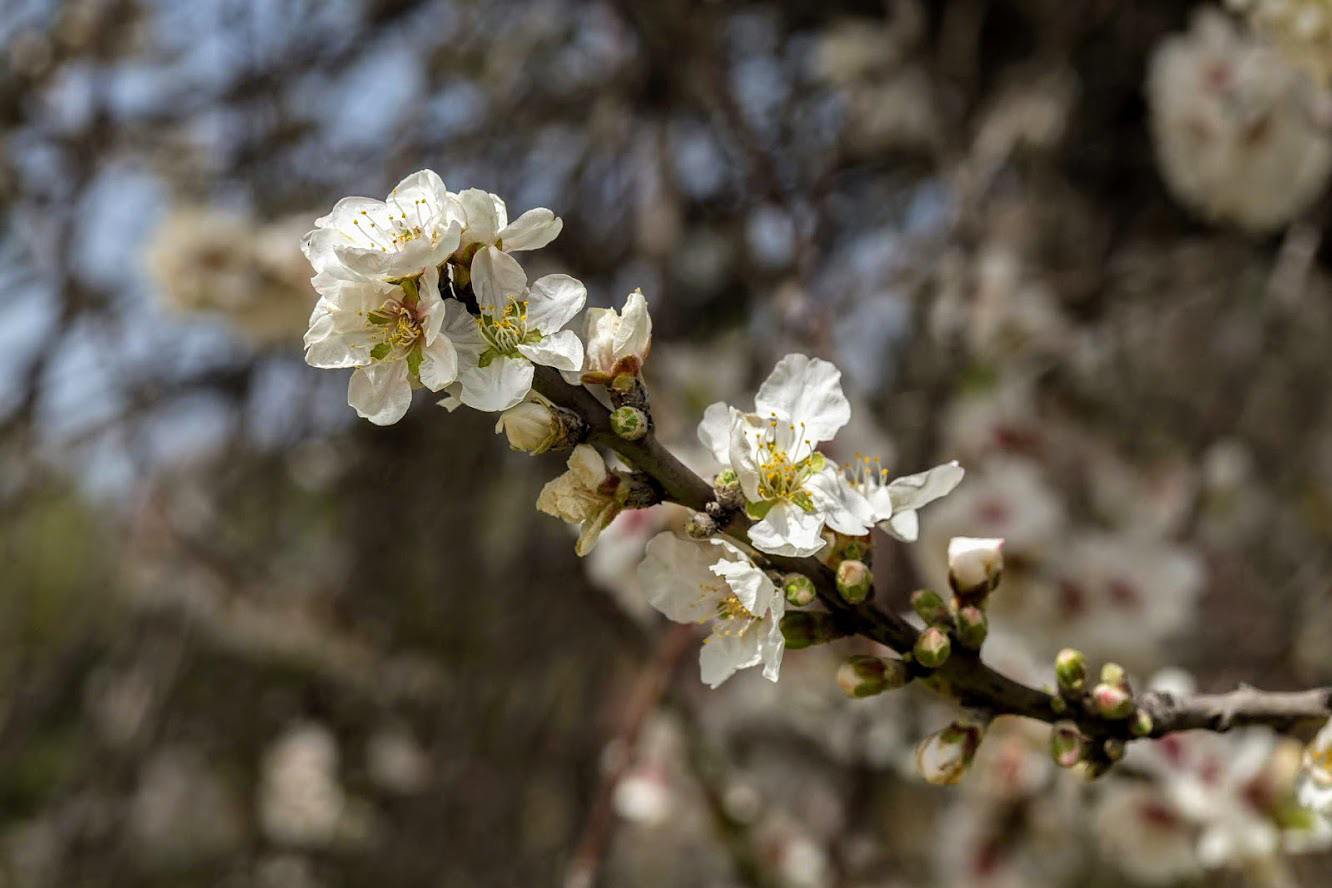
(505, 331)
(729, 618)
(399, 227)
(398, 326)
(779, 476)
(865, 474)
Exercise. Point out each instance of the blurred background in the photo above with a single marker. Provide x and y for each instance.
(249, 640)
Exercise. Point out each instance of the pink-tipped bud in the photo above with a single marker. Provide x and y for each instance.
(974, 566)
(854, 581)
(1071, 671)
(1111, 701)
(932, 648)
(972, 627)
(931, 608)
(798, 589)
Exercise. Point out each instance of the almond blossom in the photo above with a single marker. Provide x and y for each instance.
(488, 227)
(516, 326)
(416, 228)
(617, 342)
(1316, 774)
(714, 583)
(792, 491)
(389, 332)
(586, 495)
(896, 500)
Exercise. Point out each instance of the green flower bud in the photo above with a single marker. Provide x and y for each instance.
(1111, 701)
(726, 487)
(629, 423)
(972, 627)
(862, 676)
(802, 629)
(1066, 744)
(932, 648)
(854, 581)
(931, 608)
(1141, 723)
(1071, 671)
(798, 589)
(1113, 674)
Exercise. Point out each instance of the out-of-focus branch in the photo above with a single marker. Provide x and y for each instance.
(964, 677)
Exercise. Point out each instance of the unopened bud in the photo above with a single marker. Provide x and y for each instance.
(802, 629)
(1114, 749)
(1112, 701)
(1066, 744)
(726, 487)
(1071, 671)
(854, 581)
(974, 566)
(930, 607)
(944, 756)
(534, 426)
(972, 627)
(798, 589)
(932, 648)
(1140, 725)
(629, 423)
(862, 676)
(1113, 674)
(700, 526)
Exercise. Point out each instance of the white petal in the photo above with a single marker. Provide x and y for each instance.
(750, 585)
(747, 431)
(499, 386)
(788, 530)
(722, 655)
(531, 231)
(634, 335)
(439, 364)
(714, 432)
(496, 278)
(905, 526)
(773, 642)
(482, 220)
(914, 491)
(380, 393)
(564, 351)
(805, 390)
(842, 506)
(675, 577)
(452, 399)
(553, 301)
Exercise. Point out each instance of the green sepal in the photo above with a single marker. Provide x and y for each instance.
(414, 360)
(759, 511)
(381, 351)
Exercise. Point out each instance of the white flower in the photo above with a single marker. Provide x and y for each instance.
(974, 563)
(416, 228)
(1141, 831)
(584, 495)
(517, 326)
(714, 583)
(389, 332)
(488, 227)
(1316, 775)
(895, 501)
(617, 343)
(1234, 128)
(792, 491)
(531, 426)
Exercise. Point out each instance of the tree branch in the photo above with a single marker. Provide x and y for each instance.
(964, 677)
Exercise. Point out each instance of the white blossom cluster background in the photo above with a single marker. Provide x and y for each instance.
(500, 442)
